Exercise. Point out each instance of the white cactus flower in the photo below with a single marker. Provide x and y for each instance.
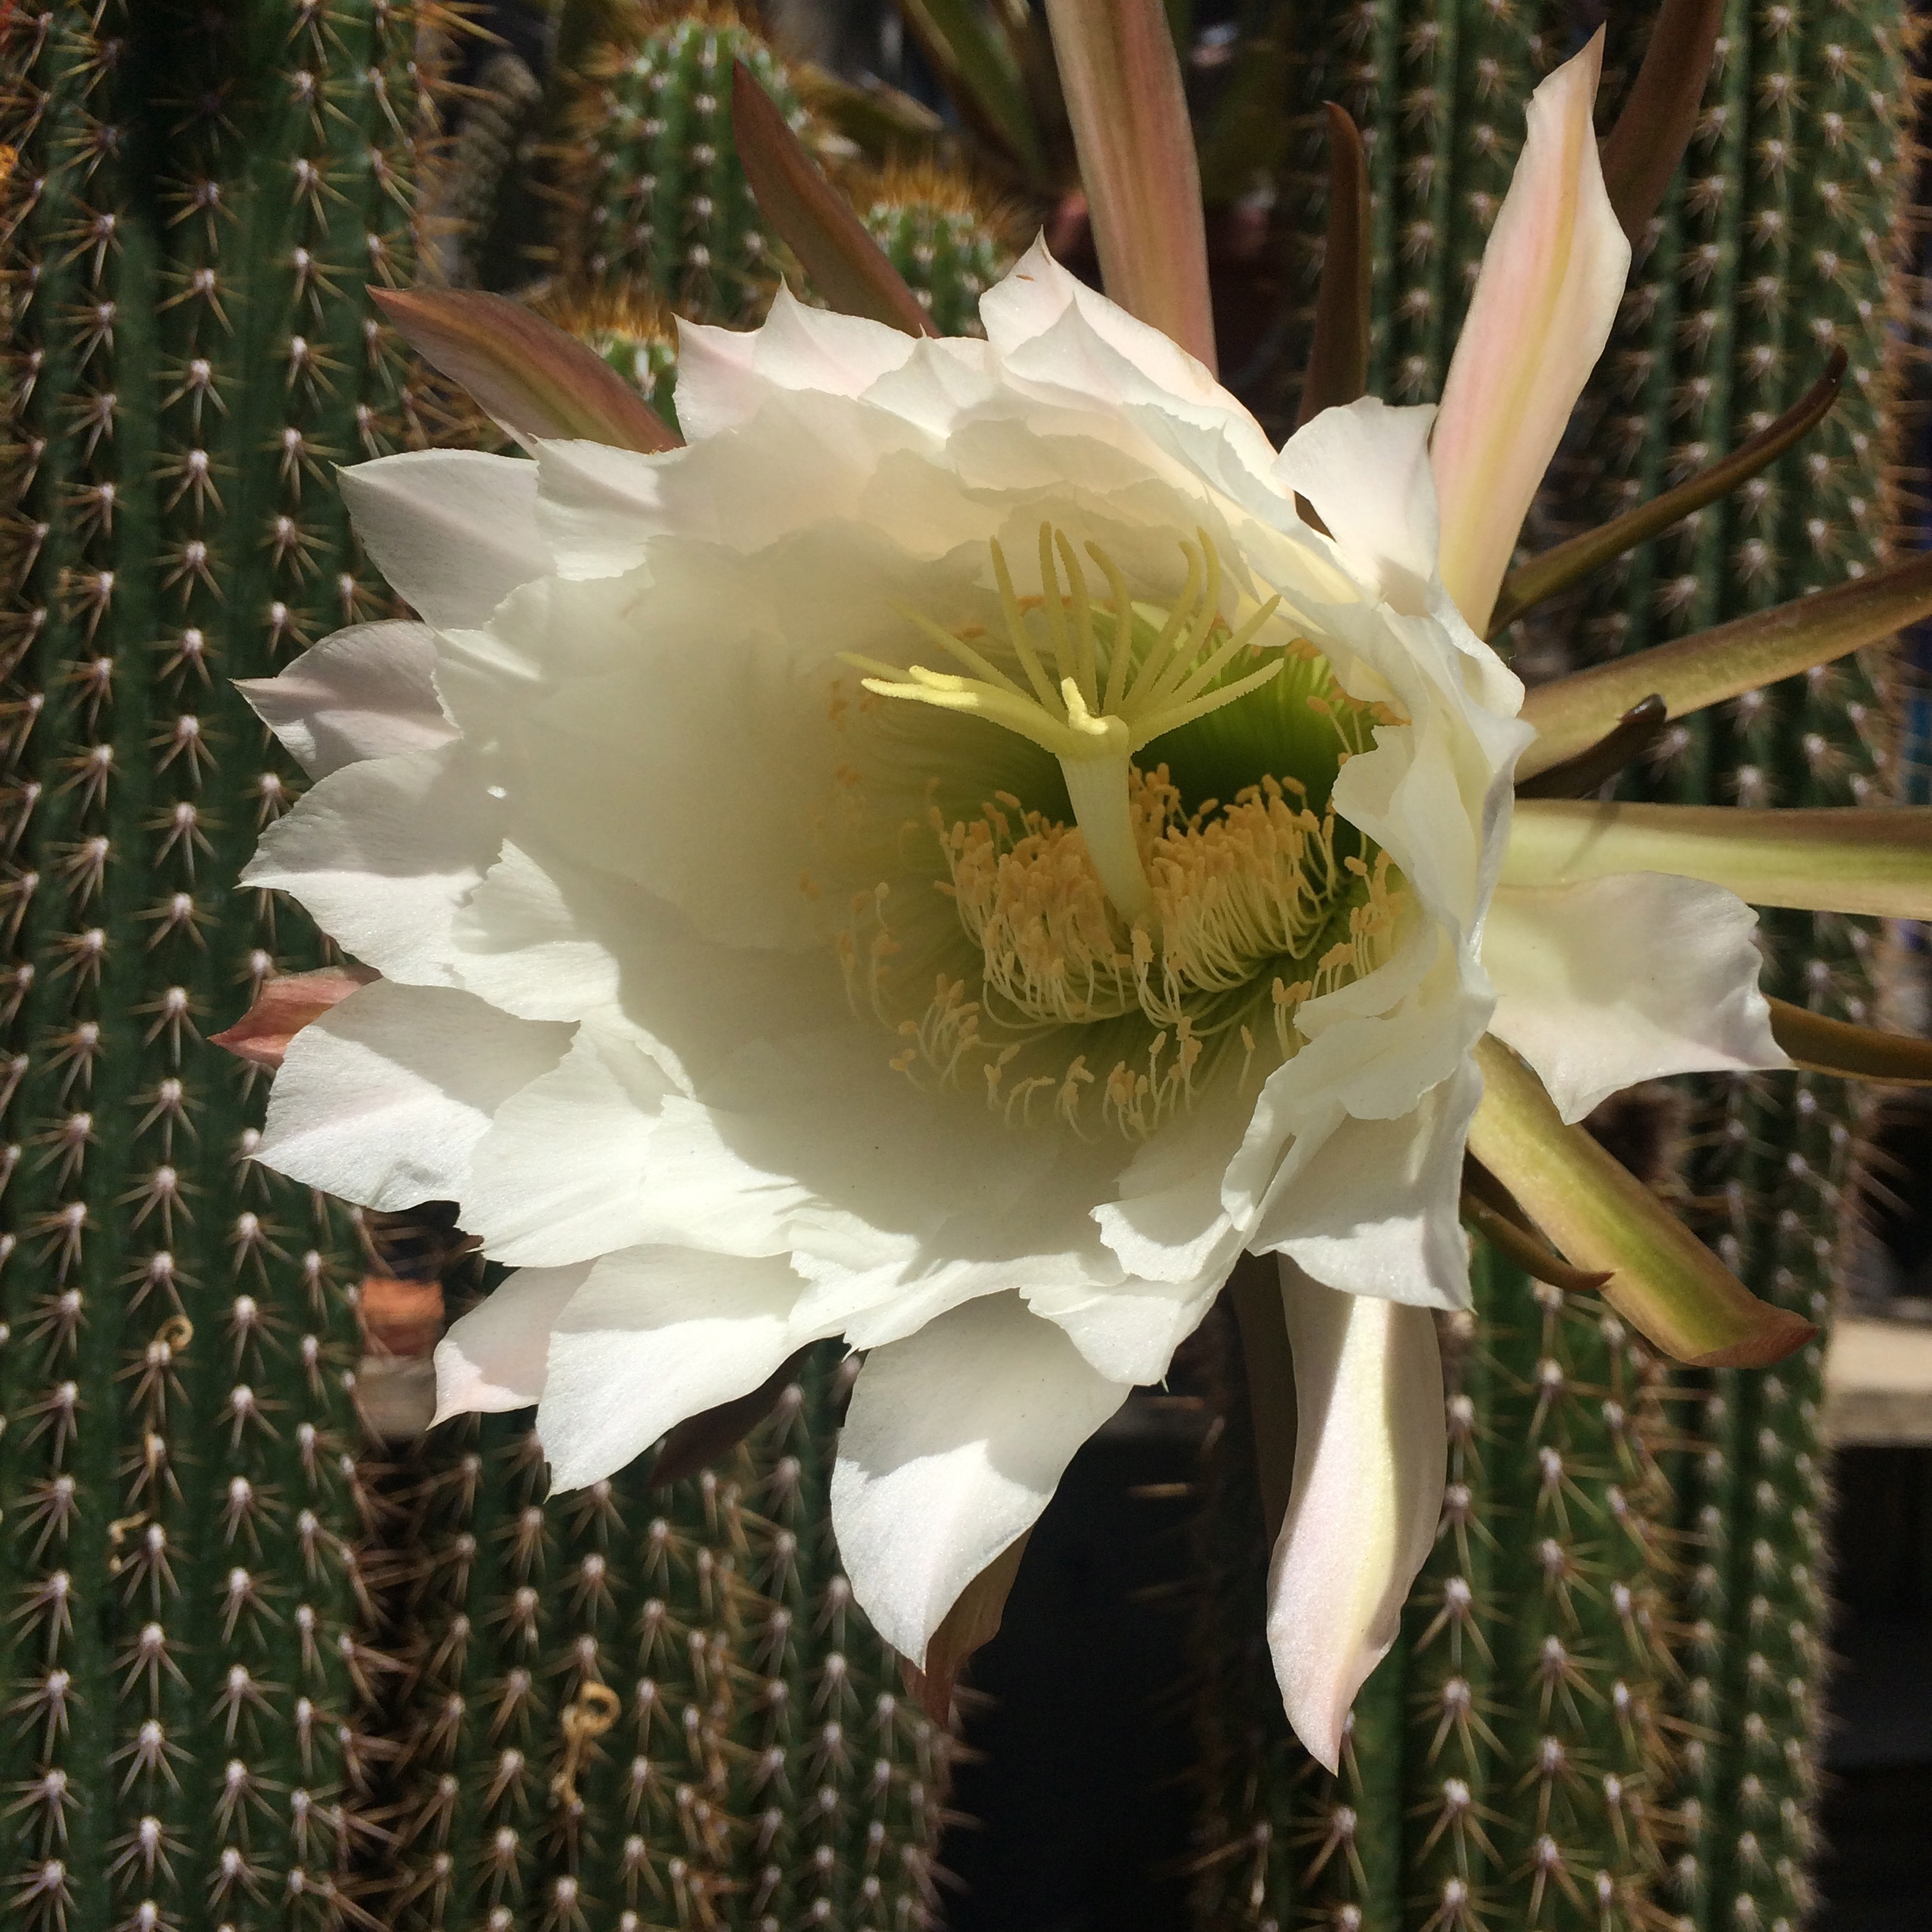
(953, 858)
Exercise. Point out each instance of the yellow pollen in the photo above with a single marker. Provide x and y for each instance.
(1089, 974)
(1116, 682)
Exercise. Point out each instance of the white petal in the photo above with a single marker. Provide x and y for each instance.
(1129, 1333)
(644, 748)
(1371, 1461)
(723, 375)
(811, 460)
(368, 692)
(654, 1336)
(562, 1173)
(718, 386)
(1553, 275)
(1060, 342)
(455, 531)
(1611, 981)
(1029, 303)
(382, 854)
(599, 508)
(1365, 468)
(1376, 1209)
(952, 1446)
(494, 1357)
(381, 1100)
(520, 943)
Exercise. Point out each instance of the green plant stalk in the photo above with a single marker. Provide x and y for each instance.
(198, 202)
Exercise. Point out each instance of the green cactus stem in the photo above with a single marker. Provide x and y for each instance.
(638, 1707)
(652, 193)
(949, 242)
(198, 198)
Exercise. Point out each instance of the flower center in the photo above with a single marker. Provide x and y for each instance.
(1190, 909)
(1122, 676)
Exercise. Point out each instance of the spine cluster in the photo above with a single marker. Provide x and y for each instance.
(1781, 243)
(1509, 1762)
(254, 1672)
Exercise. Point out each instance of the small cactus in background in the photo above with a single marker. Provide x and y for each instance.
(652, 193)
(645, 201)
(198, 198)
(948, 241)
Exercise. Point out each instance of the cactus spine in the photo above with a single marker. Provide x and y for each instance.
(654, 196)
(1503, 1765)
(1604, 1706)
(197, 199)
(947, 242)
(639, 1705)
(198, 1729)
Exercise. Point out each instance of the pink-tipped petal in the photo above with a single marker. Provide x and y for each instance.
(1553, 275)
(1125, 98)
(1371, 1460)
(283, 1007)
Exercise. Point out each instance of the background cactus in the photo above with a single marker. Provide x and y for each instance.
(764, 1768)
(652, 193)
(235, 1644)
(198, 198)
(946, 238)
(761, 1765)
(1626, 1598)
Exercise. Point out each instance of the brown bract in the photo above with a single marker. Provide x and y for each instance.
(284, 1006)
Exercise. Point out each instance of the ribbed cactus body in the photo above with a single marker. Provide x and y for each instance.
(630, 1706)
(199, 197)
(761, 1767)
(654, 196)
(1506, 1763)
(1642, 1712)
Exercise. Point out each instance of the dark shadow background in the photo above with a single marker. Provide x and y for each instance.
(1072, 1797)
